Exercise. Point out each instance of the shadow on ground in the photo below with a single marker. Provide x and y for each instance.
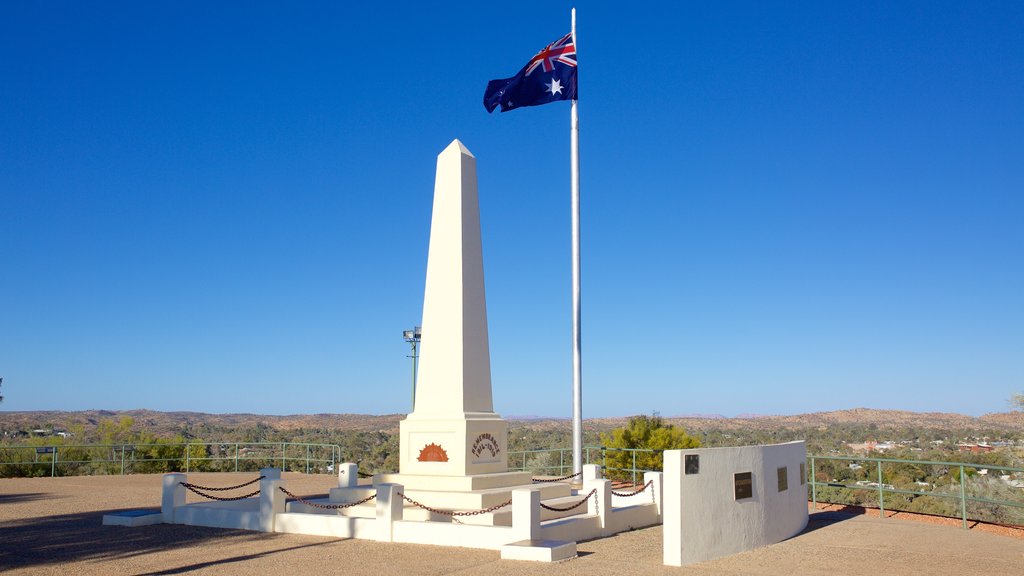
(12, 498)
(63, 538)
(825, 518)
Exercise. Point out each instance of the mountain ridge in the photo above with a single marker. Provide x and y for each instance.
(177, 420)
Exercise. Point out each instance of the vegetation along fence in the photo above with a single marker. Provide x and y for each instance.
(87, 459)
(953, 489)
(618, 463)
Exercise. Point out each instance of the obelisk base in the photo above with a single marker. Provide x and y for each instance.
(474, 444)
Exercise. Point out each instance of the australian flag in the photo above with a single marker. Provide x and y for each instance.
(549, 76)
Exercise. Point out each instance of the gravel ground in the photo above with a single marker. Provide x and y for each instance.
(54, 526)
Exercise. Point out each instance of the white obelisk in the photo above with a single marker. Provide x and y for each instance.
(453, 429)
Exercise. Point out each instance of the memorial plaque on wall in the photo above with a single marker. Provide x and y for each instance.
(783, 479)
(803, 474)
(743, 483)
(691, 464)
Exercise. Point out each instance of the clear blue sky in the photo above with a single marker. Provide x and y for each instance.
(787, 207)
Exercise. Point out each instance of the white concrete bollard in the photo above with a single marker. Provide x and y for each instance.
(591, 472)
(655, 478)
(525, 514)
(272, 500)
(348, 475)
(173, 495)
(600, 503)
(389, 510)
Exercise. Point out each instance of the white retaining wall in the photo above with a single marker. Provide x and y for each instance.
(603, 514)
(704, 519)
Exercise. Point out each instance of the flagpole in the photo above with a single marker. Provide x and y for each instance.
(577, 369)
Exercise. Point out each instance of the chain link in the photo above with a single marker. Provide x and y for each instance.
(576, 505)
(209, 489)
(327, 506)
(452, 513)
(570, 476)
(220, 498)
(642, 488)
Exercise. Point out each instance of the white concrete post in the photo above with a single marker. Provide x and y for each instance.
(173, 495)
(600, 503)
(348, 475)
(525, 514)
(655, 479)
(389, 510)
(672, 509)
(272, 500)
(591, 472)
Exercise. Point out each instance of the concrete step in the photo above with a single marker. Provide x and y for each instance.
(479, 499)
(503, 517)
(352, 494)
(539, 550)
(455, 483)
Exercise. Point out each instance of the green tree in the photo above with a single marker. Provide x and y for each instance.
(652, 435)
(1017, 400)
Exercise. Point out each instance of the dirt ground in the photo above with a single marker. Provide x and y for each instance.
(54, 526)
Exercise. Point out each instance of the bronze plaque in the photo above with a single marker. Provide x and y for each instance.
(743, 483)
(691, 464)
(783, 479)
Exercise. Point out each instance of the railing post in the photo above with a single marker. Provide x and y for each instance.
(236, 456)
(282, 458)
(122, 459)
(188, 456)
(307, 458)
(634, 467)
(53, 463)
(881, 492)
(963, 496)
(814, 485)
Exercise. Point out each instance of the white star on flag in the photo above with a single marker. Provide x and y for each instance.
(555, 86)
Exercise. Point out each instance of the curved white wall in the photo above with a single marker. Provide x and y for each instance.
(704, 519)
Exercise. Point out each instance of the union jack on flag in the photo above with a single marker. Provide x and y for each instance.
(548, 77)
(561, 50)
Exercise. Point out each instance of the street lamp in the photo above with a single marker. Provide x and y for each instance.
(413, 338)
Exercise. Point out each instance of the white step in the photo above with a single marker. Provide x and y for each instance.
(539, 550)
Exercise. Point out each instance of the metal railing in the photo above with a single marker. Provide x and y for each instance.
(558, 461)
(966, 490)
(84, 459)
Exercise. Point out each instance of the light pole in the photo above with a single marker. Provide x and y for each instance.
(413, 338)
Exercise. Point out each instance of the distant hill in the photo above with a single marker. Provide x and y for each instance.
(169, 423)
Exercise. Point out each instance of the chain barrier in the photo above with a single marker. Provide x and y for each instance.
(220, 498)
(451, 513)
(569, 477)
(327, 506)
(362, 474)
(627, 495)
(576, 505)
(199, 490)
(209, 489)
